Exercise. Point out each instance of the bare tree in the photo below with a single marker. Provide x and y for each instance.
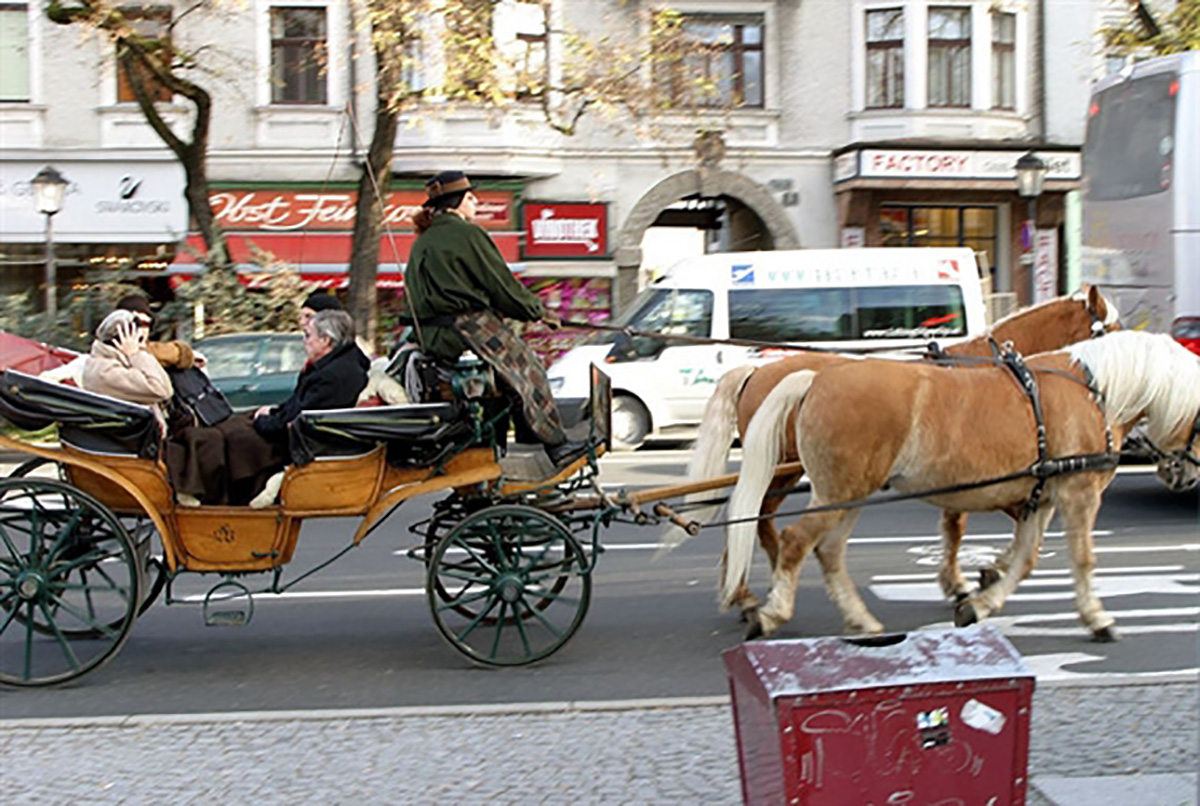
(1146, 32)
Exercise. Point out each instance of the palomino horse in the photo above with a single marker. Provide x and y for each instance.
(741, 391)
(919, 427)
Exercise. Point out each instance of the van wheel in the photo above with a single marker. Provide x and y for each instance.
(630, 423)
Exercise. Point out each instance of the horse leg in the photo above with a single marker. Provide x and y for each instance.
(950, 577)
(841, 588)
(1000, 565)
(1079, 516)
(988, 601)
(795, 542)
(768, 537)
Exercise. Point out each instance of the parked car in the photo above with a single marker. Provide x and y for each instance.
(254, 369)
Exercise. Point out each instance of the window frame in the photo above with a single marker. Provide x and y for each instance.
(23, 9)
(159, 93)
(886, 45)
(999, 49)
(675, 76)
(274, 43)
(949, 45)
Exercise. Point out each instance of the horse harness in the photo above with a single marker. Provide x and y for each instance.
(1047, 467)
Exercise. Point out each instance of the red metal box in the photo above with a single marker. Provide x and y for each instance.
(938, 717)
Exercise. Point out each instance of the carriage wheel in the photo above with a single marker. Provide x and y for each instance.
(27, 467)
(69, 582)
(508, 586)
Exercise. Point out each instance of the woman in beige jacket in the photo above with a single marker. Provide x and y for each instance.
(120, 366)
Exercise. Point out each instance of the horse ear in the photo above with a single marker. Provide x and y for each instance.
(1096, 302)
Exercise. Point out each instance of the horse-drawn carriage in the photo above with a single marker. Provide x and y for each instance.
(508, 568)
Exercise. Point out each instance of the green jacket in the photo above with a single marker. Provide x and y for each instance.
(455, 268)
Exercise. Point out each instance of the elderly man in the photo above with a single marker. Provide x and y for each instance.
(256, 449)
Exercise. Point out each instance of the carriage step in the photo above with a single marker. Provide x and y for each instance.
(227, 618)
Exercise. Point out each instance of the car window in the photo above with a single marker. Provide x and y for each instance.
(230, 358)
(791, 314)
(911, 312)
(677, 312)
(284, 356)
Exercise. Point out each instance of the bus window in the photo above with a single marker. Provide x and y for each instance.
(1129, 148)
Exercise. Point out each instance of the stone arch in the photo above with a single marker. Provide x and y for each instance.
(706, 182)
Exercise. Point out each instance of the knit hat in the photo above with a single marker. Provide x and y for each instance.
(320, 301)
(445, 184)
(136, 303)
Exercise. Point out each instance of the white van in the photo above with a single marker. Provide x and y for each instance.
(845, 299)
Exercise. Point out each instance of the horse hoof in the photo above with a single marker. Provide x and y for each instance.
(749, 614)
(960, 597)
(964, 614)
(754, 628)
(988, 577)
(1105, 635)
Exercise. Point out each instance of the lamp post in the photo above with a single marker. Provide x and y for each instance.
(48, 189)
(1031, 176)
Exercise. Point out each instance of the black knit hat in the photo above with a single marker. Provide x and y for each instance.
(445, 184)
(320, 301)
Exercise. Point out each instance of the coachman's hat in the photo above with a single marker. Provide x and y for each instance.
(444, 184)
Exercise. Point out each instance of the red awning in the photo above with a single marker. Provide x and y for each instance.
(301, 249)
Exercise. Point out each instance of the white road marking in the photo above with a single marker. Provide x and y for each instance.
(1049, 667)
(938, 538)
(344, 594)
(1105, 587)
(1047, 572)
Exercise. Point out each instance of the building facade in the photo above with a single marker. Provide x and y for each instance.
(857, 122)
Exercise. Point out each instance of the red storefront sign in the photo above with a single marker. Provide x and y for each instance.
(291, 210)
(558, 230)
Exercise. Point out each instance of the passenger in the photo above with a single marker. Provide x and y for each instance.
(256, 446)
(120, 366)
(171, 354)
(458, 287)
(315, 303)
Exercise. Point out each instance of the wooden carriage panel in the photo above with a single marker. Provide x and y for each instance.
(334, 486)
(147, 475)
(234, 538)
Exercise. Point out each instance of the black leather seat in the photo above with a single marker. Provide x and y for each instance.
(416, 435)
(91, 422)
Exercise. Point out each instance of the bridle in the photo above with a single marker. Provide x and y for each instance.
(1175, 461)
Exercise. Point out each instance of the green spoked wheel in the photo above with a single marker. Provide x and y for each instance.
(70, 582)
(508, 586)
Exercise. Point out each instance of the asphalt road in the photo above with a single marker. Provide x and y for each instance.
(359, 633)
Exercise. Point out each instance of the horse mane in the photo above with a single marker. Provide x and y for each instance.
(1140, 372)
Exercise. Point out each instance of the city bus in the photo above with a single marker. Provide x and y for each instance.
(1141, 195)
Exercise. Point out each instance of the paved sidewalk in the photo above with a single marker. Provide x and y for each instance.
(1130, 745)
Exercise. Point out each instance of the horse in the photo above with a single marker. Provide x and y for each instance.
(741, 391)
(924, 429)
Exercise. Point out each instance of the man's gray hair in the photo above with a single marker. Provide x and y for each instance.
(337, 326)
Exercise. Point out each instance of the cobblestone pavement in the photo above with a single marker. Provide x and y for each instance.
(668, 755)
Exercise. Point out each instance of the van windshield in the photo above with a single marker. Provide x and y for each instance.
(673, 311)
(847, 314)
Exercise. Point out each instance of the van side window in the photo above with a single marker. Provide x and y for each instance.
(911, 311)
(847, 314)
(792, 314)
(678, 312)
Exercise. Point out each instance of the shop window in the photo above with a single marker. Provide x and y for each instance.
(153, 25)
(1004, 64)
(14, 53)
(298, 55)
(722, 65)
(949, 56)
(885, 58)
(972, 227)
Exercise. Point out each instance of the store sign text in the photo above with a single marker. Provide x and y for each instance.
(291, 210)
(554, 230)
(933, 164)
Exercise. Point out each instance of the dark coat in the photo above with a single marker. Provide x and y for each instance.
(331, 382)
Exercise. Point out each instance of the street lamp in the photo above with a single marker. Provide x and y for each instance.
(48, 189)
(1031, 176)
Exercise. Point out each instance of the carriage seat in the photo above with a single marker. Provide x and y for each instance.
(91, 422)
(412, 433)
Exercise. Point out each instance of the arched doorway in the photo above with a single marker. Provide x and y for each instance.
(752, 218)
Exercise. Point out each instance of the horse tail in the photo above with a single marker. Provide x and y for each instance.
(763, 445)
(711, 449)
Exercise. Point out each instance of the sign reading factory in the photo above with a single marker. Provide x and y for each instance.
(914, 163)
(564, 230)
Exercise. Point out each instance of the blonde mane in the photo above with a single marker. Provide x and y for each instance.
(1143, 374)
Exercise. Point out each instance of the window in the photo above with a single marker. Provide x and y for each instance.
(973, 227)
(800, 315)
(722, 65)
(531, 64)
(1129, 148)
(668, 311)
(154, 24)
(1004, 65)
(949, 56)
(14, 53)
(885, 58)
(298, 55)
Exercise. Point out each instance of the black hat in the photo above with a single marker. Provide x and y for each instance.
(445, 184)
(136, 303)
(320, 301)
